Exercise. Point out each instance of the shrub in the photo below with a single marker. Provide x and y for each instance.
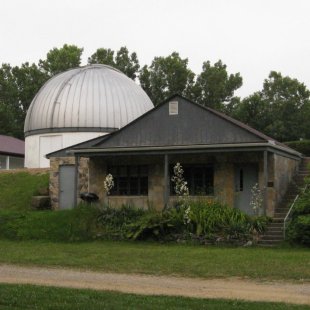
(152, 225)
(299, 230)
(302, 146)
(113, 222)
(203, 220)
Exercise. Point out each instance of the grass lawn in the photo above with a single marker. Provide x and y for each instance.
(18, 188)
(36, 297)
(163, 259)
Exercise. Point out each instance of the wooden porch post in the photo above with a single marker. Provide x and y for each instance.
(265, 181)
(166, 181)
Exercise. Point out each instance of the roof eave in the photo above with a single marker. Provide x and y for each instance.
(211, 147)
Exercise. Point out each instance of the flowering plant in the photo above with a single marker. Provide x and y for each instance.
(257, 199)
(108, 183)
(181, 189)
(180, 185)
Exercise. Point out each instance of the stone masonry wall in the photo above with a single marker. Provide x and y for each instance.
(55, 162)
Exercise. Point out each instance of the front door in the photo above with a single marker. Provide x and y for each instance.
(66, 186)
(246, 176)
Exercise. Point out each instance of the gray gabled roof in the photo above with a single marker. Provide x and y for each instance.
(194, 126)
(11, 145)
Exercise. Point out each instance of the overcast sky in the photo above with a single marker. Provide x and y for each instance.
(252, 37)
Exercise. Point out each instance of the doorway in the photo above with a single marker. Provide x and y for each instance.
(66, 186)
(246, 176)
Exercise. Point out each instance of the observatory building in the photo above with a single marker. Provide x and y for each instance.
(78, 105)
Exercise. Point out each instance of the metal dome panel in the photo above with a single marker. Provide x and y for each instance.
(90, 98)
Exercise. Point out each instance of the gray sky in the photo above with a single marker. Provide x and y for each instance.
(252, 37)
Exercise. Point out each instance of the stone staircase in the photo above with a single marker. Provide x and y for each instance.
(274, 233)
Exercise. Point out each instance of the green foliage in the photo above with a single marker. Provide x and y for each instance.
(281, 109)
(299, 228)
(18, 86)
(65, 225)
(152, 225)
(123, 61)
(18, 188)
(207, 221)
(113, 222)
(214, 87)
(167, 76)
(301, 146)
(61, 59)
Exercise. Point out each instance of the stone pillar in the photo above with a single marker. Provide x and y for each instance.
(166, 180)
(265, 181)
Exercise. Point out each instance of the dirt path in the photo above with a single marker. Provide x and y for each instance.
(231, 288)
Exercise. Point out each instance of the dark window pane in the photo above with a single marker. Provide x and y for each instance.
(134, 186)
(129, 180)
(143, 171)
(123, 186)
(144, 185)
(133, 171)
(122, 171)
(199, 180)
(115, 188)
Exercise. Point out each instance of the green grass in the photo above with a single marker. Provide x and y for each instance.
(18, 188)
(163, 259)
(36, 297)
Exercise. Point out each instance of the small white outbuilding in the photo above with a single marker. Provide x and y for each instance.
(78, 105)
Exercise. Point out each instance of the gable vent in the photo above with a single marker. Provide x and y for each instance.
(173, 108)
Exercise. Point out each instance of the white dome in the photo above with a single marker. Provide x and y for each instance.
(94, 98)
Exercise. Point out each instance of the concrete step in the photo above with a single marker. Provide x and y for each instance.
(273, 235)
(270, 242)
(279, 214)
(278, 220)
(275, 225)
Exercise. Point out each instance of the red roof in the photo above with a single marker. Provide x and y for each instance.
(10, 145)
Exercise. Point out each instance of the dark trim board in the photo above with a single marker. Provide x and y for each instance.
(69, 129)
(181, 150)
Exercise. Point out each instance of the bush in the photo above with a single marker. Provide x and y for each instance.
(302, 146)
(299, 230)
(204, 221)
(113, 222)
(152, 225)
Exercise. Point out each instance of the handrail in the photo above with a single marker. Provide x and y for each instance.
(291, 208)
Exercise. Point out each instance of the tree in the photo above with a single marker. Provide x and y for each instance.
(102, 56)
(281, 109)
(167, 76)
(215, 88)
(128, 64)
(62, 59)
(18, 86)
(123, 61)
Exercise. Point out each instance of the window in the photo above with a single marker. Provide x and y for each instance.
(199, 180)
(129, 180)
